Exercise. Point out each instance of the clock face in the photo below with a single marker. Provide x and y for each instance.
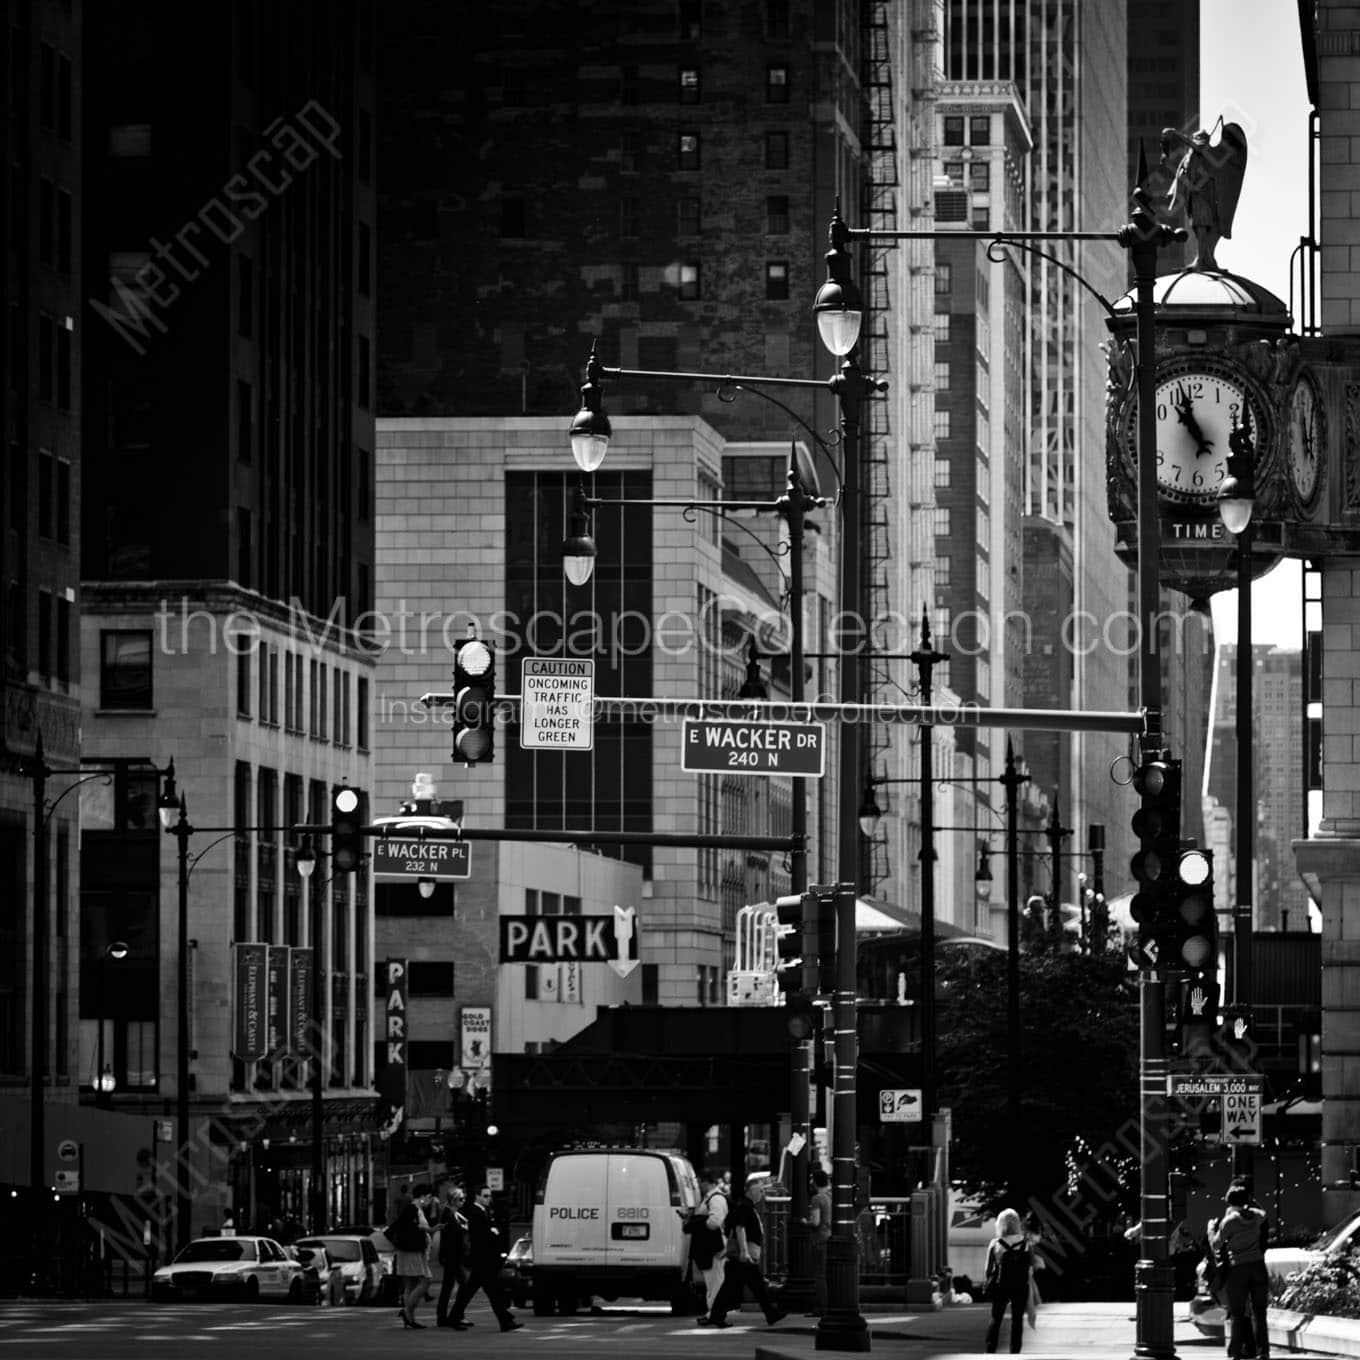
(1197, 410)
(1304, 437)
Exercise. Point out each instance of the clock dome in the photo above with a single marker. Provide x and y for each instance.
(1209, 296)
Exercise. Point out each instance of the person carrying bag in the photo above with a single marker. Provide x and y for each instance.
(707, 1242)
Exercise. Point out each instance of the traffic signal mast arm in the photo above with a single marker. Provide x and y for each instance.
(957, 715)
(399, 827)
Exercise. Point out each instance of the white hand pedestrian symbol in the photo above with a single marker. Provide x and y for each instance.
(1198, 1000)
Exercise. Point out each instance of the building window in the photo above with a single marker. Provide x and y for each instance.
(942, 377)
(776, 18)
(980, 177)
(941, 522)
(64, 98)
(629, 281)
(45, 634)
(944, 279)
(651, 984)
(629, 216)
(245, 562)
(953, 131)
(980, 130)
(689, 282)
(245, 422)
(688, 149)
(47, 344)
(687, 216)
(365, 146)
(361, 713)
(63, 498)
(125, 669)
(245, 662)
(776, 150)
(365, 375)
(63, 628)
(942, 424)
(64, 364)
(777, 280)
(944, 571)
(944, 471)
(981, 219)
(942, 327)
(776, 84)
(46, 479)
(777, 215)
(689, 19)
(629, 146)
(689, 84)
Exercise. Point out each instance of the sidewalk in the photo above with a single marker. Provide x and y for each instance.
(1065, 1331)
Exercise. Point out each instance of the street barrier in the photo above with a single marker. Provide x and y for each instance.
(882, 1239)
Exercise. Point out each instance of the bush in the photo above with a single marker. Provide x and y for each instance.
(1328, 1288)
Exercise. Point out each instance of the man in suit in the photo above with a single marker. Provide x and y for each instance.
(453, 1249)
(484, 1267)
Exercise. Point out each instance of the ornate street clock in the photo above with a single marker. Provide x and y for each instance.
(1304, 439)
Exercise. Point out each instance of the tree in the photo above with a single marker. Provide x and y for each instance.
(1079, 1071)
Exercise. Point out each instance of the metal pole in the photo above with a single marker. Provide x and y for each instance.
(842, 1327)
(798, 1289)
(317, 1023)
(1243, 911)
(182, 831)
(926, 659)
(38, 1023)
(1153, 1279)
(1011, 781)
(100, 1098)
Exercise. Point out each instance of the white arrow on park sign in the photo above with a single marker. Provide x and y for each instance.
(625, 925)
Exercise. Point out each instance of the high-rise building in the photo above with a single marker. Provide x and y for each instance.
(41, 297)
(227, 543)
(1281, 901)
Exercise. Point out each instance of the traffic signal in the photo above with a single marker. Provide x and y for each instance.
(1157, 824)
(821, 971)
(1196, 950)
(347, 838)
(791, 917)
(474, 703)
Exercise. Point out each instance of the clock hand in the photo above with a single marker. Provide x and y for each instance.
(1185, 411)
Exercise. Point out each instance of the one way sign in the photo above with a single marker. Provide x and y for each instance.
(899, 1106)
(1242, 1117)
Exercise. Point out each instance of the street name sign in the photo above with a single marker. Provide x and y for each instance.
(1215, 1085)
(400, 858)
(557, 696)
(1242, 1117)
(572, 939)
(900, 1106)
(741, 747)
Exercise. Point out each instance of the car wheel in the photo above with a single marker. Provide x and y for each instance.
(252, 1290)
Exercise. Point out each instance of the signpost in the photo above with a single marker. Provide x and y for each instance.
(401, 858)
(557, 696)
(738, 747)
(902, 1106)
(1242, 1117)
(572, 939)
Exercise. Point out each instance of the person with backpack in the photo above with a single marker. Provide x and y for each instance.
(1010, 1265)
(1239, 1241)
(708, 1242)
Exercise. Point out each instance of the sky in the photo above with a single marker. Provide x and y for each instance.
(1251, 72)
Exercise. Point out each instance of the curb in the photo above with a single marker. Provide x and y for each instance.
(1304, 1332)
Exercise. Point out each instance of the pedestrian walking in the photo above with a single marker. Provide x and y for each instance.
(484, 1267)
(745, 1245)
(1239, 1240)
(708, 1241)
(454, 1248)
(1010, 1268)
(410, 1234)
(818, 1221)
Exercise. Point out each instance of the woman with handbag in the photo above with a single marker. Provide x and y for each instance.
(707, 1241)
(410, 1234)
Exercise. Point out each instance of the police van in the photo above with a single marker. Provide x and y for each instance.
(610, 1222)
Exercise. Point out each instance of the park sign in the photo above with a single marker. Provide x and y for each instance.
(572, 939)
(709, 745)
(398, 857)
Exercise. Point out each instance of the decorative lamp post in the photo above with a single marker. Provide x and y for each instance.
(104, 1081)
(1236, 502)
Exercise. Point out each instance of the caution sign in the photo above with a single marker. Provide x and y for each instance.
(557, 705)
(1242, 1117)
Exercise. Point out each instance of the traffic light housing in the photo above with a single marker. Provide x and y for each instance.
(1157, 824)
(347, 838)
(1196, 951)
(820, 969)
(474, 703)
(792, 915)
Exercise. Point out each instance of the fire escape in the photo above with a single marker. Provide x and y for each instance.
(878, 212)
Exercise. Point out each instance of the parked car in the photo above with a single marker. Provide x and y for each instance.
(245, 1267)
(356, 1263)
(321, 1280)
(517, 1274)
(389, 1288)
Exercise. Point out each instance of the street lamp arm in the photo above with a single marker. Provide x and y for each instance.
(194, 859)
(996, 252)
(51, 806)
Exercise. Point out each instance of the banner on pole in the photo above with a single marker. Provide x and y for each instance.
(299, 1000)
(250, 976)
